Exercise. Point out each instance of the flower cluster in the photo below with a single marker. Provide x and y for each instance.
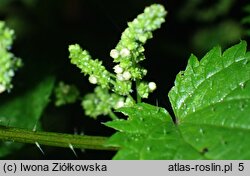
(101, 102)
(94, 68)
(129, 51)
(145, 88)
(8, 62)
(65, 94)
(127, 55)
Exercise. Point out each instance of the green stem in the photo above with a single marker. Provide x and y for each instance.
(138, 97)
(113, 116)
(53, 139)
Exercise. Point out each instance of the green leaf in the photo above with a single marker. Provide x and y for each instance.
(211, 102)
(149, 133)
(24, 110)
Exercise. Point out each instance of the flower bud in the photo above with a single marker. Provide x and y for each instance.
(126, 75)
(114, 53)
(118, 69)
(125, 52)
(151, 86)
(92, 79)
(120, 77)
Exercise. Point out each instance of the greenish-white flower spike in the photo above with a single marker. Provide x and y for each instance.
(129, 51)
(94, 68)
(66, 94)
(127, 55)
(8, 62)
(101, 102)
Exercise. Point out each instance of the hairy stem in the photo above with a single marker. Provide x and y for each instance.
(53, 139)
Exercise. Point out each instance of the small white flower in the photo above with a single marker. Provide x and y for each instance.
(118, 69)
(126, 75)
(119, 104)
(114, 53)
(125, 52)
(151, 86)
(120, 77)
(92, 79)
(2, 88)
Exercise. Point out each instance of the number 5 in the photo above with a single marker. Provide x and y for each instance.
(241, 167)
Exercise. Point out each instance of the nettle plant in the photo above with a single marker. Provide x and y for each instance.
(210, 100)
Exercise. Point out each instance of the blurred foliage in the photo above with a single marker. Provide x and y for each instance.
(214, 19)
(6, 3)
(65, 94)
(206, 38)
(246, 19)
(16, 17)
(206, 10)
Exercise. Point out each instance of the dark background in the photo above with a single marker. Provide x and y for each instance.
(45, 28)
